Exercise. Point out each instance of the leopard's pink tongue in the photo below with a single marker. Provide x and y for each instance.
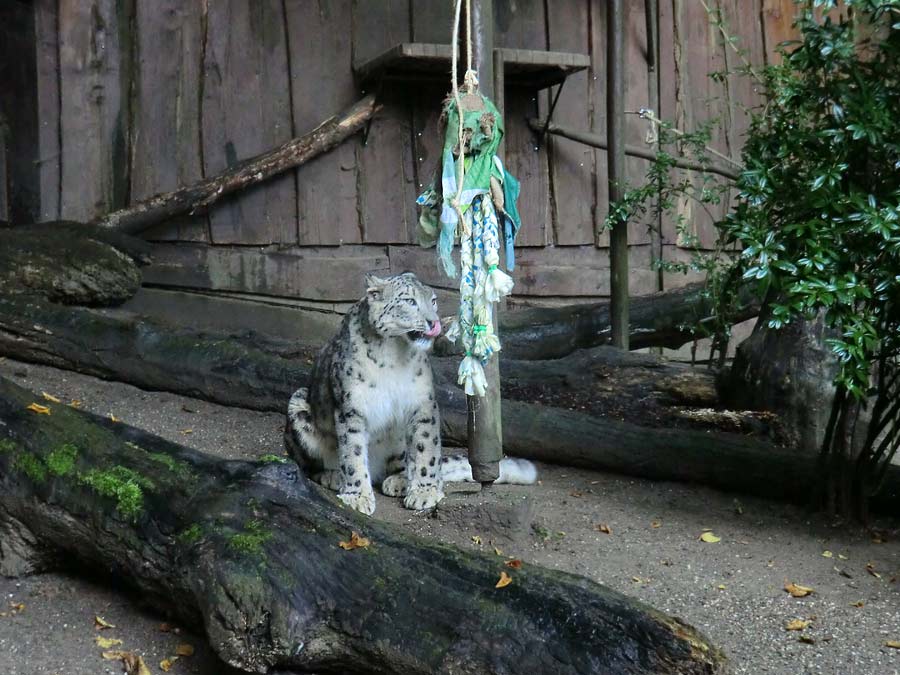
(435, 330)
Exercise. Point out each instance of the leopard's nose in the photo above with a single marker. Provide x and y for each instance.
(434, 328)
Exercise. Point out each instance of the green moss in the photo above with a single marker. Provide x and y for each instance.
(32, 466)
(273, 458)
(251, 540)
(123, 484)
(182, 470)
(190, 535)
(61, 461)
(7, 445)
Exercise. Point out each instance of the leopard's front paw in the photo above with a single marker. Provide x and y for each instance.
(395, 485)
(364, 502)
(420, 498)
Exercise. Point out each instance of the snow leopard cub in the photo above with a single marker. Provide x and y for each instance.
(370, 414)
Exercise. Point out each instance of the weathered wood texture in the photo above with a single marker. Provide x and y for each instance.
(136, 98)
(250, 551)
(167, 139)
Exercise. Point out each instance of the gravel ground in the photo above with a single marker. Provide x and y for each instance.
(733, 589)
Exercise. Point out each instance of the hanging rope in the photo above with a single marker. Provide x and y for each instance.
(474, 188)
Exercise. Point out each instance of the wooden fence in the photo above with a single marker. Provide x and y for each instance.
(134, 97)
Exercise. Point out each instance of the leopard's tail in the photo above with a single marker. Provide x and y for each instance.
(512, 470)
(301, 439)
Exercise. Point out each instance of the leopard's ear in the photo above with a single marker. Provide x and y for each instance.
(374, 286)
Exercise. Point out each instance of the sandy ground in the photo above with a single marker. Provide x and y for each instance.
(733, 589)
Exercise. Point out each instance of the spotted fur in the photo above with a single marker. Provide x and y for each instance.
(370, 415)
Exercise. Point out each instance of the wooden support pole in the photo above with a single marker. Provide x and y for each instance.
(485, 430)
(615, 133)
(651, 16)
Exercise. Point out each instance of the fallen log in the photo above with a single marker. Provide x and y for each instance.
(249, 372)
(662, 319)
(249, 551)
(71, 263)
(200, 195)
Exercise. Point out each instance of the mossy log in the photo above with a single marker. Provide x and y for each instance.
(71, 263)
(250, 372)
(664, 319)
(249, 551)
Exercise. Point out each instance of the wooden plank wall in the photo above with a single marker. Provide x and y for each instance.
(139, 96)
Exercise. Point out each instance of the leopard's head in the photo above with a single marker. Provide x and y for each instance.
(402, 306)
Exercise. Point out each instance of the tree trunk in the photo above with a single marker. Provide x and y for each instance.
(250, 551)
(199, 196)
(658, 320)
(249, 372)
(792, 371)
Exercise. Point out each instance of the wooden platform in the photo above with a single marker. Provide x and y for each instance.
(530, 68)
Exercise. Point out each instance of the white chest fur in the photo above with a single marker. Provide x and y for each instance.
(393, 399)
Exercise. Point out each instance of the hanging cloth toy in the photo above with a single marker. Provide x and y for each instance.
(464, 202)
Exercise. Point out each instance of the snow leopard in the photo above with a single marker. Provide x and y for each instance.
(370, 414)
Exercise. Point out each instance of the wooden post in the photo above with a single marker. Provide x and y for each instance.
(485, 432)
(651, 15)
(615, 131)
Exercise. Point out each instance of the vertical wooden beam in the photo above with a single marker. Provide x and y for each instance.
(485, 428)
(651, 16)
(615, 131)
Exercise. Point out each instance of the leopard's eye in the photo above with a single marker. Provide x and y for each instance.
(411, 301)
(434, 301)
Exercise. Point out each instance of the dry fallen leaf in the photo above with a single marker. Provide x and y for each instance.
(796, 624)
(515, 563)
(636, 580)
(49, 397)
(842, 557)
(655, 524)
(797, 590)
(710, 538)
(75, 403)
(806, 639)
(165, 627)
(17, 607)
(476, 540)
(721, 587)
(134, 664)
(355, 542)
(576, 493)
(113, 418)
(101, 624)
(166, 664)
(859, 604)
(187, 431)
(505, 580)
(893, 644)
(827, 554)
(106, 643)
(39, 409)
(184, 650)
(604, 528)
(870, 568)
(497, 551)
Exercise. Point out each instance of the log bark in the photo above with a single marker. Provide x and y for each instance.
(200, 195)
(250, 552)
(658, 320)
(249, 372)
(71, 263)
